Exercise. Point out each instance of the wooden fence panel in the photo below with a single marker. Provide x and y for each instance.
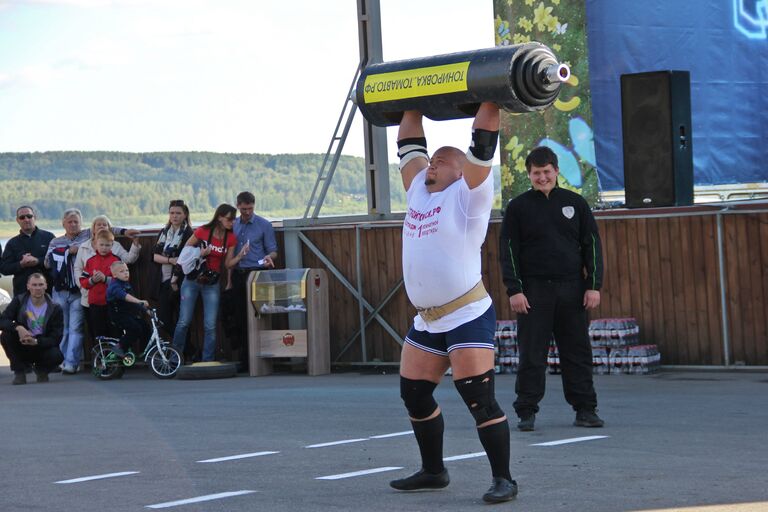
(746, 267)
(664, 271)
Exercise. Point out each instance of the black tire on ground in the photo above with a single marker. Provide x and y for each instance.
(199, 371)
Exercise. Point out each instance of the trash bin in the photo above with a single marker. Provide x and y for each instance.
(302, 295)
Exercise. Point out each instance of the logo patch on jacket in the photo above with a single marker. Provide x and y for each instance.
(568, 211)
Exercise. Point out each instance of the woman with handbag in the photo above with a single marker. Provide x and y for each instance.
(216, 243)
(170, 242)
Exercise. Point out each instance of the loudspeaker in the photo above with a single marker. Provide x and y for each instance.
(656, 126)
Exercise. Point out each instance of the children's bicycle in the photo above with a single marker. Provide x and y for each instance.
(161, 357)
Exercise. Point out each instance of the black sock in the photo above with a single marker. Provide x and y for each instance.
(495, 440)
(429, 435)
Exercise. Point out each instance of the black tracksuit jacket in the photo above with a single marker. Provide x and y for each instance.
(550, 238)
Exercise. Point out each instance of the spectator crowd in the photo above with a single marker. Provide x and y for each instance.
(64, 289)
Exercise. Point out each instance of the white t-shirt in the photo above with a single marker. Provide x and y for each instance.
(442, 236)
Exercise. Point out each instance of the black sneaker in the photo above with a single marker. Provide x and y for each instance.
(421, 480)
(501, 490)
(526, 422)
(41, 376)
(119, 352)
(588, 418)
(19, 378)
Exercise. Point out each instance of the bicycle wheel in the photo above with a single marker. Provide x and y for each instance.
(165, 362)
(106, 367)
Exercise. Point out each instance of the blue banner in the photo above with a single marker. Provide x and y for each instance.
(724, 45)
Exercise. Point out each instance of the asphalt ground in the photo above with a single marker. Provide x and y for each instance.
(673, 440)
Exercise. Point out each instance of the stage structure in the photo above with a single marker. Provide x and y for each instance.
(376, 178)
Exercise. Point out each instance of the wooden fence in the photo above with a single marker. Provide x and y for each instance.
(662, 267)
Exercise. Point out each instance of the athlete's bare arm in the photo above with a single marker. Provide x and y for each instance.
(487, 118)
(410, 127)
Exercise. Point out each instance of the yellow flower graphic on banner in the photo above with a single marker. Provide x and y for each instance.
(528, 2)
(541, 16)
(519, 39)
(571, 103)
(507, 176)
(552, 23)
(525, 24)
(514, 147)
(520, 164)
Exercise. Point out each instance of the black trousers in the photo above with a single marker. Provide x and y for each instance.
(238, 331)
(21, 356)
(556, 308)
(98, 320)
(168, 308)
(135, 330)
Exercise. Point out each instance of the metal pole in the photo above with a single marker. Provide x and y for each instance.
(723, 291)
(375, 137)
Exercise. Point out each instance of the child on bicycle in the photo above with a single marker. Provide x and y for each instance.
(125, 310)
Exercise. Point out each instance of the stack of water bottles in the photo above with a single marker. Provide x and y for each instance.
(506, 346)
(616, 348)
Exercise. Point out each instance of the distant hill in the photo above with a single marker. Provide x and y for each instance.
(134, 188)
(139, 185)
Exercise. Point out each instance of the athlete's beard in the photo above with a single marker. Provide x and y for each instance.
(429, 181)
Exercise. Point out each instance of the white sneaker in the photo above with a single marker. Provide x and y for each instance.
(68, 369)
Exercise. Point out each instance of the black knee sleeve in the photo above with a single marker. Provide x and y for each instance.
(478, 393)
(417, 396)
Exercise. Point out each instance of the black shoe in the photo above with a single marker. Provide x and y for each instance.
(526, 423)
(501, 490)
(119, 352)
(19, 378)
(41, 376)
(421, 480)
(588, 418)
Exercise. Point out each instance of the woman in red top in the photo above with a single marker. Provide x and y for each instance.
(217, 243)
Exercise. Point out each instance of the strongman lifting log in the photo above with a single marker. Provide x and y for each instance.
(518, 78)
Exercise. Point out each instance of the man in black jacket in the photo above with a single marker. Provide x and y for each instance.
(24, 254)
(32, 326)
(552, 267)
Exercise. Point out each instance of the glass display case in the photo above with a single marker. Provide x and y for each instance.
(302, 295)
(280, 291)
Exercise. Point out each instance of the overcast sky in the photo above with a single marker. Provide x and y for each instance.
(201, 75)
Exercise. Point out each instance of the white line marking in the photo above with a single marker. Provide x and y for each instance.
(95, 477)
(208, 497)
(336, 442)
(465, 456)
(395, 434)
(572, 440)
(235, 457)
(358, 473)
